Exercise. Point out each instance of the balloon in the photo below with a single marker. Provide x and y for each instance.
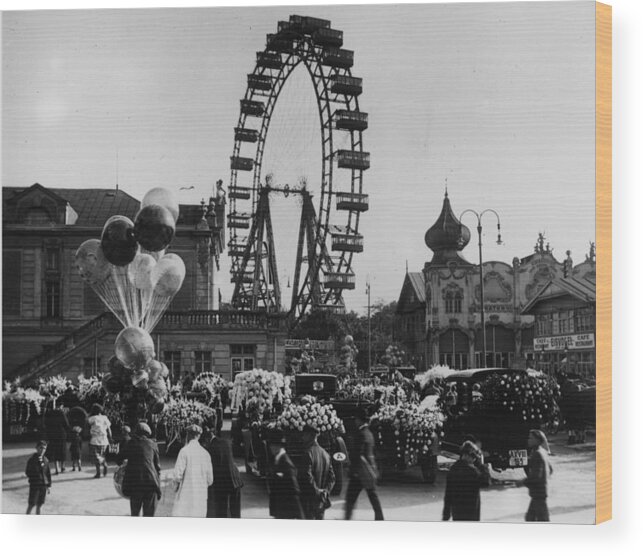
(134, 347)
(116, 368)
(164, 198)
(112, 383)
(140, 379)
(348, 340)
(157, 406)
(118, 241)
(168, 275)
(165, 372)
(154, 228)
(92, 265)
(140, 271)
(154, 369)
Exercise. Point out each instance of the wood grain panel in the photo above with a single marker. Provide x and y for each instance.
(603, 262)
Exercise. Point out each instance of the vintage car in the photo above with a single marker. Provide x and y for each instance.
(503, 437)
(322, 386)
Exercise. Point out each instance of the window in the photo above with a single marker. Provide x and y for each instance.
(453, 302)
(457, 361)
(52, 258)
(584, 320)
(92, 304)
(172, 360)
(11, 282)
(242, 357)
(202, 362)
(52, 299)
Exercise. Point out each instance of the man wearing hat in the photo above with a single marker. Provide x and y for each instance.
(39, 476)
(316, 476)
(193, 475)
(283, 486)
(363, 470)
(142, 477)
(224, 496)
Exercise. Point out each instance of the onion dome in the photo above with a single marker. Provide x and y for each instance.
(447, 236)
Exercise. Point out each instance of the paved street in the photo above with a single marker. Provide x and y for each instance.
(404, 497)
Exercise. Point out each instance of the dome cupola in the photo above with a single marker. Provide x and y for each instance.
(447, 236)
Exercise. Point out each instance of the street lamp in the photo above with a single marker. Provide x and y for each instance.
(368, 293)
(499, 242)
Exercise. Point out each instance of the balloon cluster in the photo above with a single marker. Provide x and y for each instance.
(145, 384)
(128, 268)
(130, 272)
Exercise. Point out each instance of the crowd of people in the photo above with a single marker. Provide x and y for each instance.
(207, 482)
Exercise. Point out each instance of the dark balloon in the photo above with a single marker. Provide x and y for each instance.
(154, 228)
(112, 384)
(116, 368)
(118, 241)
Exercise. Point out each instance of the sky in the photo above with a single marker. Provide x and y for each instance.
(495, 101)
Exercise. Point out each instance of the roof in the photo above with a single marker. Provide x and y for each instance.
(582, 289)
(415, 281)
(95, 206)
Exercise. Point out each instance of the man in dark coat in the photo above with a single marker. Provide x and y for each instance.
(39, 476)
(462, 494)
(363, 470)
(225, 493)
(316, 476)
(283, 486)
(142, 478)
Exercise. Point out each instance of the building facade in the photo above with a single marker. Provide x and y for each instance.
(53, 323)
(443, 325)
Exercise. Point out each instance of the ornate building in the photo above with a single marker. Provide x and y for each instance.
(54, 323)
(439, 308)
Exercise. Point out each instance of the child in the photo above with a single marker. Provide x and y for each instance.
(39, 477)
(75, 445)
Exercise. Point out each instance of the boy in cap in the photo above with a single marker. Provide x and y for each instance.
(39, 476)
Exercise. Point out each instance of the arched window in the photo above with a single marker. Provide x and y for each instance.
(453, 301)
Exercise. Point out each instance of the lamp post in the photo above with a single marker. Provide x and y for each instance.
(499, 242)
(368, 293)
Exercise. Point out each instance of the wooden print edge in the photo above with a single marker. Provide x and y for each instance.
(603, 262)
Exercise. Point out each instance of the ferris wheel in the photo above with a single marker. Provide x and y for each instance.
(328, 233)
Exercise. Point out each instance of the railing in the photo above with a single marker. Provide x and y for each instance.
(51, 353)
(250, 320)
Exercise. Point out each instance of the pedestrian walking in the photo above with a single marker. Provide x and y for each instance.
(283, 486)
(224, 496)
(39, 476)
(538, 471)
(57, 427)
(75, 447)
(100, 437)
(363, 470)
(462, 494)
(142, 477)
(192, 475)
(316, 476)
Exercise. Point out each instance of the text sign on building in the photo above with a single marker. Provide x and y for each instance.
(559, 343)
(318, 345)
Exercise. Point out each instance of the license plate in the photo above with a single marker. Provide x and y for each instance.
(517, 458)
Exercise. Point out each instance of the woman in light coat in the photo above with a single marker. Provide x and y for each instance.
(193, 475)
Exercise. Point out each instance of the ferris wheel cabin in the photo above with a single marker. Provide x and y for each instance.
(340, 280)
(351, 120)
(239, 192)
(354, 160)
(237, 247)
(347, 242)
(269, 60)
(346, 85)
(246, 135)
(241, 163)
(259, 82)
(352, 201)
(252, 107)
(338, 58)
(243, 277)
(239, 220)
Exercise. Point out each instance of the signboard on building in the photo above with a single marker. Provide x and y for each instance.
(316, 345)
(559, 343)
